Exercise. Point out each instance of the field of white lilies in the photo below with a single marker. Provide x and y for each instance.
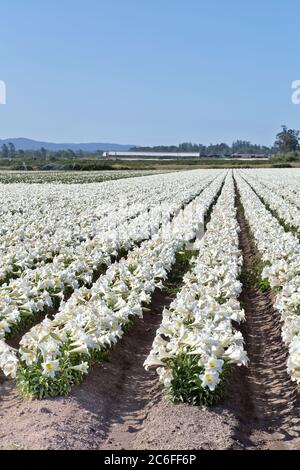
(80, 264)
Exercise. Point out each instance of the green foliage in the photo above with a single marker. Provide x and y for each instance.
(287, 140)
(207, 216)
(182, 264)
(253, 274)
(186, 386)
(31, 383)
(263, 284)
(282, 165)
(284, 159)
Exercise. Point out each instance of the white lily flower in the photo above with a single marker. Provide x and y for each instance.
(50, 368)
(83, 367)
(210, 379)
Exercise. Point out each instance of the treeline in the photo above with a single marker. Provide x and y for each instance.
(287, 140)
(239, 146)
(9, 152)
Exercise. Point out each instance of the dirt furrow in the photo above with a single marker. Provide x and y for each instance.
(267, 398)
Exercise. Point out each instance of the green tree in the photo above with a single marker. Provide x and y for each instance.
(4, 151)
(43, 153)
(11, 150)
(287, 140)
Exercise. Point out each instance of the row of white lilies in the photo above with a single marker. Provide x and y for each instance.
(280, 251)
(286, 211)
(73, 177)
(284, 182)
(198, 322)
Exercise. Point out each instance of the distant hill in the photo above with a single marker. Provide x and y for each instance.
(29, 144)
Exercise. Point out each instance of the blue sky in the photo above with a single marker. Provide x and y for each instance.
(148, 71)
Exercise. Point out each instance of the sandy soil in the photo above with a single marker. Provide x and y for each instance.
(121, 406)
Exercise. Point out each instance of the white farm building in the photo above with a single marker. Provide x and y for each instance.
(135, 155)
